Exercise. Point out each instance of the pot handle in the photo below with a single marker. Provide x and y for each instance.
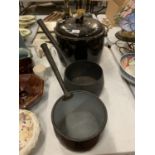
(50, 59)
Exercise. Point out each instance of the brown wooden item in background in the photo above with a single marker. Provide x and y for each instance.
(114, 6)
(30, 90)
(25, 66)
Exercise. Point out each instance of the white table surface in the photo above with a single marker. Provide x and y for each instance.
(111, 39)
(115, 51)
(118, 136)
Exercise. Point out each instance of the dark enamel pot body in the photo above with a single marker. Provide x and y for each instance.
(80, 40)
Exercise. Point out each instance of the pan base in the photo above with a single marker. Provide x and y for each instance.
(81, 125)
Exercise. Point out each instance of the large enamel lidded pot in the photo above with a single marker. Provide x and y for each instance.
(80, 38)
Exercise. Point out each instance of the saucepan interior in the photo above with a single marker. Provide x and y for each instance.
(79, 119)
(84, 75)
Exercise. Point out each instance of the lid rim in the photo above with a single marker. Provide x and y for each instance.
(89, 28)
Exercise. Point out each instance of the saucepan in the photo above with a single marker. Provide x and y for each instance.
(80, 75)
(78, 117)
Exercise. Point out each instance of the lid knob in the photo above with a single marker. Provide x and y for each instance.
(80, 12)
(80, 16)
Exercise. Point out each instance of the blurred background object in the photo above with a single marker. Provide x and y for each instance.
(126, 17)
(126, 20)
(113, 8)
(41, 7)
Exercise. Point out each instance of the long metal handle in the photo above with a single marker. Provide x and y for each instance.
(50, 59)
(52, 40)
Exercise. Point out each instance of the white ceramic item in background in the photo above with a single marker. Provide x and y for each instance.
(29, 130)
(26, 24)
(25, 18)
(38, 49)
(111, 35)
(49, 25)
(24, 32)
(43, 60)
(40, 70)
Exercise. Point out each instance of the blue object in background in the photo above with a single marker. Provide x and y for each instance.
(21, 42)
(24, 52)
(128, 23)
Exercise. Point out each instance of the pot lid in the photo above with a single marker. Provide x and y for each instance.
(79, 27)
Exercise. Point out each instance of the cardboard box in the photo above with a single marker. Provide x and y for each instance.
(113, 8)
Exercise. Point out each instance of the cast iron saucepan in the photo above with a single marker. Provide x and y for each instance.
(78, 117)
(80, 75)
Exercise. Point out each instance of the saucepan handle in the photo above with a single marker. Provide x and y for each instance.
(52, 40)
(50, 59)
